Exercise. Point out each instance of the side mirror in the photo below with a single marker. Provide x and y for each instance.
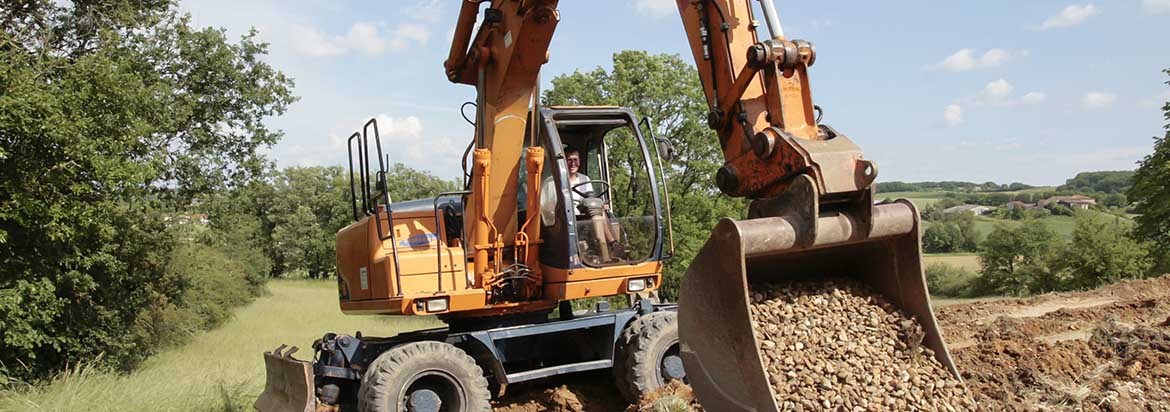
(380, 182)
(665, 148)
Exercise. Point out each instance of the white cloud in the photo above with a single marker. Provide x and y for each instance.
(1156, 6)
(1070, 16)
(996, 92)
(313, 43)
(953, 115)
(1008, 145)
(427, 11)
(406, 34)
(1034, 98)
(367, 38)
(1096, 100)
(405, 134)
(364, 37)
(965, 59)
(656, 8)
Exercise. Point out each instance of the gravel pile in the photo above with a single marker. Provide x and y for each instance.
(840, 346)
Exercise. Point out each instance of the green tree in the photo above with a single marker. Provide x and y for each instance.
(302, 208)
(666, 89)
(1112, 182)
(1014, 260)
(110, 114)
(1151, 193)
(942, 237)
(1101, 253)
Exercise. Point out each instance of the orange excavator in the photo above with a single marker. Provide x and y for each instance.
(545, 220)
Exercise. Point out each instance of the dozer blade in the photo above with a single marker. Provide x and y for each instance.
(289, 385)
(715, 331)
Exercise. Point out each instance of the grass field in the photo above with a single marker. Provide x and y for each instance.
(968, 261)
(221, 370)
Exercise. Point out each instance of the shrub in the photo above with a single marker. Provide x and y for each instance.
(1015, 259)
(1100, 253)
(943, 237)
(950, 281)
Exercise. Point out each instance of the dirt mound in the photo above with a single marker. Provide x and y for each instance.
(1101, 350)
(586, 392)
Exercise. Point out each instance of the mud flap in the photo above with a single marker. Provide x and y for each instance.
(289, 385)
(880, 249)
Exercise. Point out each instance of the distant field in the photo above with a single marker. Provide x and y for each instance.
(920, 199)
(1062, 225)
(221, 370)
(968, 261)
(925, 198)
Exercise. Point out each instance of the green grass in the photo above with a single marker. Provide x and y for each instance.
(969, 261)
(220, 370)
(920, 199)
(1062, 225)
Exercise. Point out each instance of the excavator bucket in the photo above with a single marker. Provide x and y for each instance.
(289, 386)
(881, 250)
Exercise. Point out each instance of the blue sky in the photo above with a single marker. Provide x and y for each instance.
(1030, 91)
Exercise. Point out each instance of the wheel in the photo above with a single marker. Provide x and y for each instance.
(424, 377)
(652, 355)
(621, 353)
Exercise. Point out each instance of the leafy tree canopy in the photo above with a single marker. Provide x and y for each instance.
(113, 115)
(1151, 192)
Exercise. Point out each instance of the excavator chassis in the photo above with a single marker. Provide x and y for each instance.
(506, 354)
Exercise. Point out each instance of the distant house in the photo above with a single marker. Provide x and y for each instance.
(976, 210)
(1016, 204)
(1075, 201)
(187, 218)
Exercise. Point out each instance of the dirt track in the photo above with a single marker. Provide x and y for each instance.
(1107, 349)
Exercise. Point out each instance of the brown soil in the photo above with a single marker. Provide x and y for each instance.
(1101, 350)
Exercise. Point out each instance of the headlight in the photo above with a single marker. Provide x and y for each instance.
(636, 285)
(436, 305)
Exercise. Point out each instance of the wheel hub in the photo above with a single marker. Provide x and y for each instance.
(671, 365)
(423, 400)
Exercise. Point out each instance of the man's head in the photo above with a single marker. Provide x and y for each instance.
(573, 159)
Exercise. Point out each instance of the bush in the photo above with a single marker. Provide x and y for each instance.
(1014, 260)
(210, 284)
(950, 281)
(1100, 253)
(941, 238)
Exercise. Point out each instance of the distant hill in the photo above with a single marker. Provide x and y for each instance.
(1108, 182)
(949, 186)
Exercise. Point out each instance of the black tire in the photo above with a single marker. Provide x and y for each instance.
(652, 355)
(406, 373)
(621, 354)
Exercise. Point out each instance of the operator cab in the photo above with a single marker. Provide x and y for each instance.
(600, 195)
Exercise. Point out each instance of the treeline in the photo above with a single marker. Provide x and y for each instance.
(291, 217)
(1030, 258)
(948, 186)
(119, 123)
(1108, 188)
(1108, 182)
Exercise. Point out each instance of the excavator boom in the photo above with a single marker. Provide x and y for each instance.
(812, 218)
